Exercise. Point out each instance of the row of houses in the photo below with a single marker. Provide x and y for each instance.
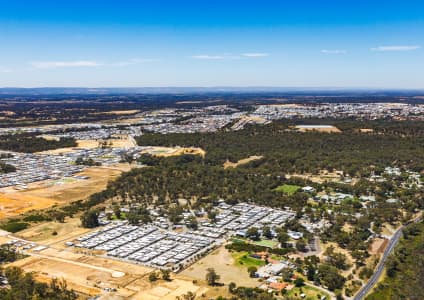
(148, 245)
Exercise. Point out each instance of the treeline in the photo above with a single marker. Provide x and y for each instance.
(189, 177)
(404, 269)
(28, 143)
(23, 286)
(293, 152)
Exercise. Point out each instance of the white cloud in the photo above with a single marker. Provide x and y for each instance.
(395, 48)
(333, 51)
(255, 54)
(64, 64)
(206, 56)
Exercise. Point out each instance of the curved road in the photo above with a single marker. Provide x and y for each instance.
(380, 267)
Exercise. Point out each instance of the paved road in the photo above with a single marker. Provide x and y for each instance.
(380, 267)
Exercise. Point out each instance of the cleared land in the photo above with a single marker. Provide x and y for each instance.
(225, 265)
(319, 128)
(173, 151)
(229, 164)
(41, 195)
(44, 232)
(85, 274)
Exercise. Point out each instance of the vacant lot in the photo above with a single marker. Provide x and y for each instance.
(85, 274)
(41, 195)
(319, 128)
(225, 266)
(173, 151)
(16, 203)
(229, 164)
(43, 232)
(169, 290)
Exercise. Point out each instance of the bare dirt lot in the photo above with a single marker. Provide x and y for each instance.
(224, 265)
(173, 151)
(229, 164)
(45, 194)
(328, 129)
(90, 275)
(318, 178)
(378, 245)
(44, 232)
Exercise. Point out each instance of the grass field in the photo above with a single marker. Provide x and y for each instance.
(243, 259)
(287, 188)
(266, 243)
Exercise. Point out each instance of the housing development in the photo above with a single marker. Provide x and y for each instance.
(194, 199)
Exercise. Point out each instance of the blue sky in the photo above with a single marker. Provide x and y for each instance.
(300, 43)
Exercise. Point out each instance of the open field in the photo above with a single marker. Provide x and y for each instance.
(225, 266)
(320, 178)
(287, 189)
(44, 194)
(169, 290)
(266, 243)
(229, 164)
(173, 151)
(85, 274)
(118, 142)
(242, 259)
(90, 274)
(16, 204)
(44, 232)
(122, 142)
(319, 128)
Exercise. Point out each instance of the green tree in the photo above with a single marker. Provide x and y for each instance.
(253, 234)
(252, 271)
(90, 219)
(166, 275)
(212, 277)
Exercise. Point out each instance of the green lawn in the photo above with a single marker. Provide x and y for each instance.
(266, 243)
(287, 188)
(242, 259)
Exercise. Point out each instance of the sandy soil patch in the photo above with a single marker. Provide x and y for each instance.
(229, 164)
(366, 130)
(43, 232)
(119, 142)
(388, 229)
(319, 128)
(117, 112)
(173, 151)
(224, 265)
(169, 290)
(85, 274)
(320, 178)
(17, 203)
(45, 194)
(378, 245)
